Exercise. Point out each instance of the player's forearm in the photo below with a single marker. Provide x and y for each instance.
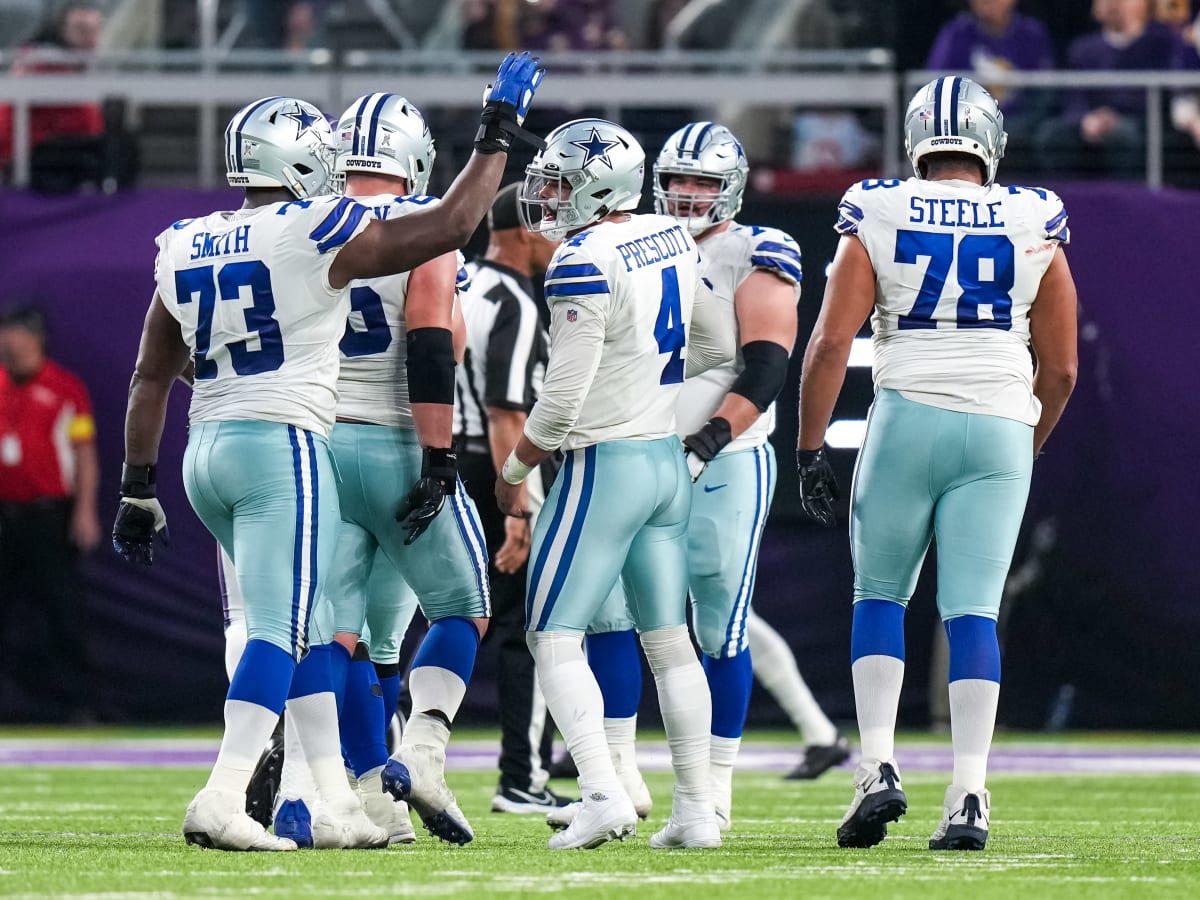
(505, 428)
(1053, 389)
(821, 382)
(434, 423)
(739, 412)
(144, 420)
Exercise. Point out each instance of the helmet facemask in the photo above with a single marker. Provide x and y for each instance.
(701, 150)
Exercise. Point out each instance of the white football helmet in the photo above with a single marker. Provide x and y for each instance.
(280, 142)
(590, 168)
(955, 115)
(706, 150)
(385, 134)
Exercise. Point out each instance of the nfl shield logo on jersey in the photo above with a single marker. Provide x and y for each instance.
(572, 315)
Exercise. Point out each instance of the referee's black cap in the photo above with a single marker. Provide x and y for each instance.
(504, 213)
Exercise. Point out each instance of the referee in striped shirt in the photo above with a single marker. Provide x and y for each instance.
(496, 385)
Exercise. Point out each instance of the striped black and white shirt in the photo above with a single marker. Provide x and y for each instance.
(507, 348)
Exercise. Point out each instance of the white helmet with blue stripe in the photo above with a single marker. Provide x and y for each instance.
(955, 115)
(705, 150)
(385, 134)
(280, 142)
(589, 168)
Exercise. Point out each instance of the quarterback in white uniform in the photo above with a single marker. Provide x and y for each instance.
(257, 299)
(962, 277)
(622, 291)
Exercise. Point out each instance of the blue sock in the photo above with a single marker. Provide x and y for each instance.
(264, 675)
(324, 668)
(389, 687)
(729, 681)
(974, 648)
(450, 643)
(362, 721)
(877, 630)
(614, 660)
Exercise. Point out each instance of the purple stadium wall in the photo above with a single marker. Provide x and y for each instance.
(1114, 609)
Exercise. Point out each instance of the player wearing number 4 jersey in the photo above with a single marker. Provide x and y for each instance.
(258, 298)
(628, 316)
(960, 277)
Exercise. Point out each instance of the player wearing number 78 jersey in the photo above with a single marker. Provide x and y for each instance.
(628, 316)
(961, 276)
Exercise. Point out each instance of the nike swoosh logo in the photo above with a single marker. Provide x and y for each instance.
(709, 488)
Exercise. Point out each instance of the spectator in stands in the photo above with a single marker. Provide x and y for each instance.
(74, 32)
(48, 486)
(567, 25)
(1103, 130)
(990, 38)
(72, 144)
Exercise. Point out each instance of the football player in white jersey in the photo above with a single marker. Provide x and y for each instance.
(258, 298)
(622, 291)
(961, 277)
(724, 417)
(394, 428)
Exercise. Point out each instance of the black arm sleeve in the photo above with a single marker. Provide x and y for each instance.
(766, 370)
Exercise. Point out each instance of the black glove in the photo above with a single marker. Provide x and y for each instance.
(703, 445)
(818, 486)
(139, 517)
(439, 478)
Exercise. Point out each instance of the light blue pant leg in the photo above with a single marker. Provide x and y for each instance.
(447, 565)
(920, 466)
(614, 613)
(730, 503)
(617, 509)
(267, 492)
(346, 586)
(390, 611)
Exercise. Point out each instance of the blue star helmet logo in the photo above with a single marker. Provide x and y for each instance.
(595, 147)
(304, 120)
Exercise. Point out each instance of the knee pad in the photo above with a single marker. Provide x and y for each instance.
(552, 648)
(668, 648)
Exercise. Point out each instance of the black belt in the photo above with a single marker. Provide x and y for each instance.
(470, 444)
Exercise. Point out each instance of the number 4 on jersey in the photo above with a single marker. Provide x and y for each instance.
(668, 328)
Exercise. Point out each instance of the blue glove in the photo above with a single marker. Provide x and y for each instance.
(140, 517)
(505, 104)
(516, 80)
(818, 486)
(439, 479)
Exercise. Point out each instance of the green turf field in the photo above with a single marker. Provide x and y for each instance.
(114, 832)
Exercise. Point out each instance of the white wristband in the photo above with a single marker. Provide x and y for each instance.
(514, 471)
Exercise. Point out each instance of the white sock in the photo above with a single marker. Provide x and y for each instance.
(424, 730)
(432, 687)
(538, 776)
(973, 704)
(686, 706)
(775, 668)
(235, 643)
(315, 718)
(248, 727)
(575, 703)
(877, 683)
(295, 780)
(622, 742)
(723, 753)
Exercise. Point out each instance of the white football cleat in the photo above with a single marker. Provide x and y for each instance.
(346, 827)
(878, 800)
(417, 774)
(965, 819)
(218, 819)
(389, 814)
(601, 817)
(561, 818)
(701, 833)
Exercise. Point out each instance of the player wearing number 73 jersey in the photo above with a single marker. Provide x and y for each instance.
(627, 318)
(960, 276)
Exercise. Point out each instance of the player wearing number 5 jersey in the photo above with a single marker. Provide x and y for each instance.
(961, 277)
(258, 298)
(625, 324)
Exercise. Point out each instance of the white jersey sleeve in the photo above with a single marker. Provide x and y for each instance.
(620, 297)
(727, 260)
(373, 384)
(958, 266)
(251, 292)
